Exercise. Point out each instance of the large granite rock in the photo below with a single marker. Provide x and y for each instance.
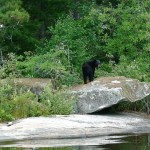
(107, 91)
(70, 130)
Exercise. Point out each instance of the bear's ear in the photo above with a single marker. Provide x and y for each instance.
(97, 62)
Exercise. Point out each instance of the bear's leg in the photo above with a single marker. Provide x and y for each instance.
(91, 76)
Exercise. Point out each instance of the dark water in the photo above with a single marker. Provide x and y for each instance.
(136, 142)
(115, 142)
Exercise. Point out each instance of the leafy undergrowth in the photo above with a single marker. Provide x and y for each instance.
(18, 103)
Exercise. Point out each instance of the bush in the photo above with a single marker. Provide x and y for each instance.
(4, 115)
(57, 101)
(55, 65)
(26, 105)
(18, 103)
(137, 68)
(10, 66)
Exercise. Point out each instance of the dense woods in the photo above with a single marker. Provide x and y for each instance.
(52, 38)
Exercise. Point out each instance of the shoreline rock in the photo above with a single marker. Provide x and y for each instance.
(108, 91)
(37, 129)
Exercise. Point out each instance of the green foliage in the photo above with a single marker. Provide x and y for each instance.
(46, 65)
(138, 106)
(11, 12)
(131, 34)
(26, 105)
(58, 102)
(138, 68)
(10, 67)
(12, 16)
(70, 36)
(54, 64)
(4, 115)
(17, 103)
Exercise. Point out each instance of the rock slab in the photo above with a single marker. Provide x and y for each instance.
(36, 131)
(108, 91)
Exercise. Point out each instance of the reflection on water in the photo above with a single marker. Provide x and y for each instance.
(137, 142)
(121, 142)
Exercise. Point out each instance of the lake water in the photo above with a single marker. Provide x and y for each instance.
(113, 142)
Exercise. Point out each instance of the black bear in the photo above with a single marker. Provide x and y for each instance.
(88, 69)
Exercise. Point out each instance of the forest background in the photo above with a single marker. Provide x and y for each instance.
(52, 38)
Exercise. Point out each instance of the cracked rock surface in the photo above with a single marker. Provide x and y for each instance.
(108, 91)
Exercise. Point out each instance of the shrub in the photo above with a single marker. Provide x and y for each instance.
(10, 66)
(137, 68)
(26, 105)
(18, 103)
(57, 101)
